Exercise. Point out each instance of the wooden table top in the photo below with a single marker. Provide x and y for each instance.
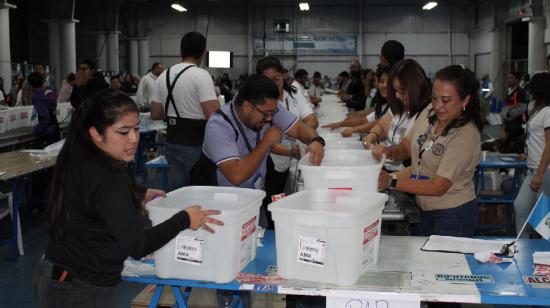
(19, 163)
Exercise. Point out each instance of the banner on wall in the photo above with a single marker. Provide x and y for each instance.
(306, 44)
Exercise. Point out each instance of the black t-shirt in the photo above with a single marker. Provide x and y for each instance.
(105, 226)
(357, 91)
(81, 93)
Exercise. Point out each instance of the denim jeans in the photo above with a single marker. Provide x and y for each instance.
(458, 221)
(49, 293)
(524, 202)
(181, 159)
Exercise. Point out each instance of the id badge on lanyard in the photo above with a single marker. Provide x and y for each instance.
(258, 182)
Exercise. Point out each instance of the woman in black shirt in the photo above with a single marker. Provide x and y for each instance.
(94, 208)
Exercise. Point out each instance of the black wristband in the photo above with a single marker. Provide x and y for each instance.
(393, 183)
(318, 139)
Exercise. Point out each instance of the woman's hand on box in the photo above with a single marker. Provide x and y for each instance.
(200, 218)
(378, 152)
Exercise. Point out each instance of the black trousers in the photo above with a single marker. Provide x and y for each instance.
(50, 293)
(274, 184)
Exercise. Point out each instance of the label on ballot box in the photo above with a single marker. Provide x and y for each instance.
(189, 249)
(311, 251)
(246, 251)
(370, 232)
(248, 228)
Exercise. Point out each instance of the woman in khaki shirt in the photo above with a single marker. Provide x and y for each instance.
(444, 145)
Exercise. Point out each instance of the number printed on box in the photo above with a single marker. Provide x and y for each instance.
(311, 251)
(189, 250)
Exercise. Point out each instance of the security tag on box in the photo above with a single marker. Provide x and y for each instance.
(277, 197)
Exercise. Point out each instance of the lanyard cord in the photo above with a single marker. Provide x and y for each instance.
(241, 130)
(399, 123)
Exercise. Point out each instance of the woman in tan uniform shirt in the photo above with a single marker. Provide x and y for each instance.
(444, 145)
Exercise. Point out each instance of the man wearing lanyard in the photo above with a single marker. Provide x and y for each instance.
(185, 96)
(239, 141)
(239, 138)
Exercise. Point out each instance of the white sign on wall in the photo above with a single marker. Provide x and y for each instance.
(306, 44)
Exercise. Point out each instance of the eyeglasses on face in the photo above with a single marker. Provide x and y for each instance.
(267, 114)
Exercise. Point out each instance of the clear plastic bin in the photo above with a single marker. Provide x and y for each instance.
(201, 255)
(24, 115)
(328, 236)
(12, 120)
(342, 169)
(344, 145)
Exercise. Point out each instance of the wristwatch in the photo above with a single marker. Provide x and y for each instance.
(318, 139)
(393, 182)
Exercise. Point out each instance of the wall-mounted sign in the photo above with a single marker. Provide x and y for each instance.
(306, 44)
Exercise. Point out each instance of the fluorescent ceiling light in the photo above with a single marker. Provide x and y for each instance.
(304, 6)
(178, 7)
(430, 5)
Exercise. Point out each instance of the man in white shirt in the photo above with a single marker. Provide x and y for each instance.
(147, 85)
(186, 98)
(278, 164)
(315, 91)
(299, 83)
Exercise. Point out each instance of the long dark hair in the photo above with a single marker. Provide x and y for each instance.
(415, 83)
(99, 111)
(465, 83)
(274, 63)
(381, 103)
(538, 87)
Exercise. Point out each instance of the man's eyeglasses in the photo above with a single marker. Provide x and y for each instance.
(267, 114)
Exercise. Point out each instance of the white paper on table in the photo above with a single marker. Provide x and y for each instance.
(488, 256)
(136, 268)
(261, 232)
(368, 299)
(462, 244)
(55, 147)
(541, 257)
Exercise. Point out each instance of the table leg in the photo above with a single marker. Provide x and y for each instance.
(181, 298)
(236, 303)
(156, 296)
(15, 216)
(164, 179)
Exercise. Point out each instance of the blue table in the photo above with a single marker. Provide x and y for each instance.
(397, 255)
(500, 162)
